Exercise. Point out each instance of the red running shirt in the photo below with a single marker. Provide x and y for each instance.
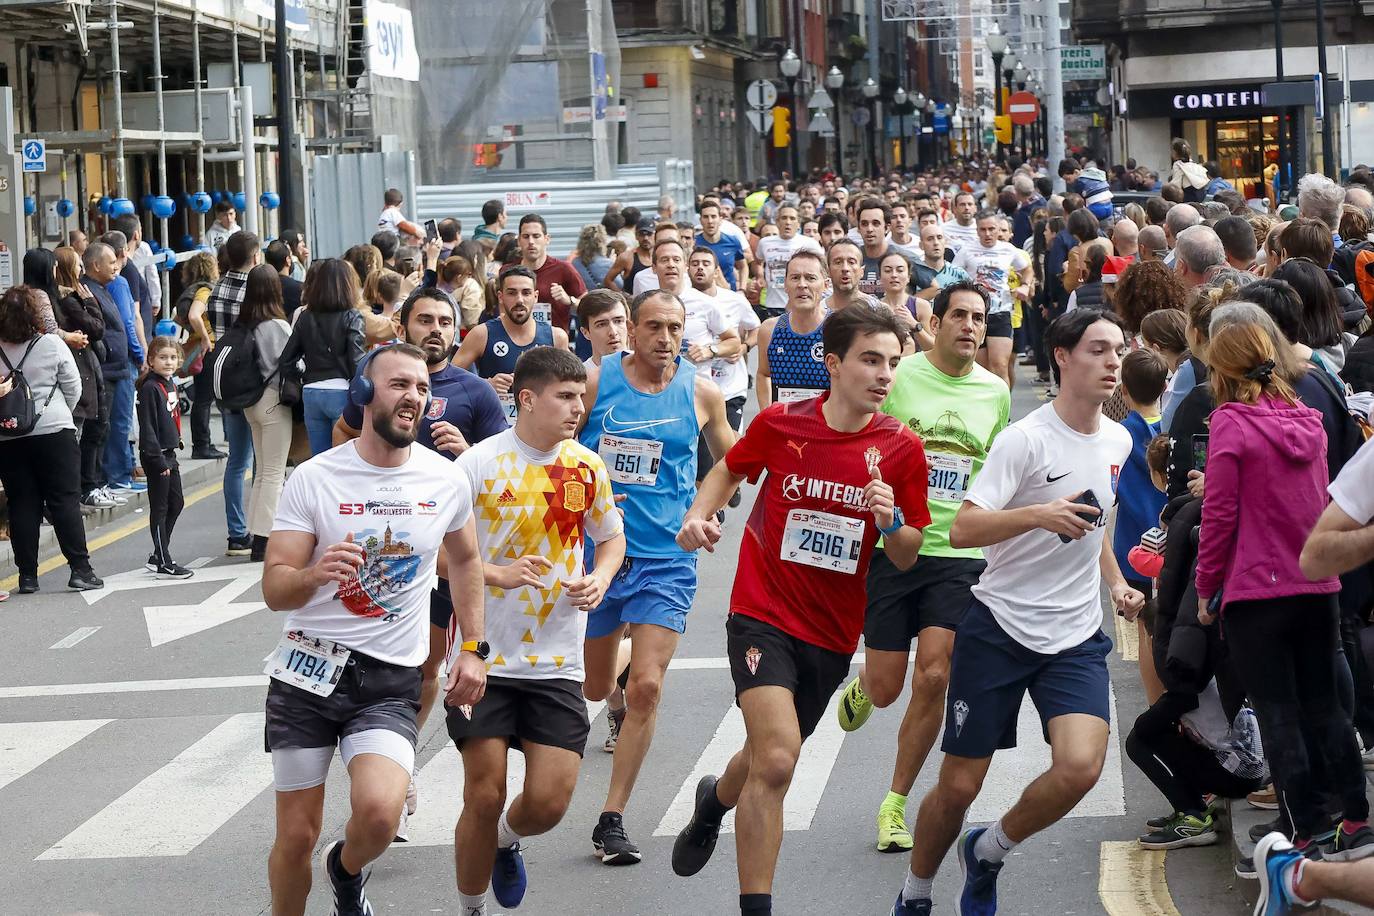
(804, 558)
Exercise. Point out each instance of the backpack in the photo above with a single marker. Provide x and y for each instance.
(235, 375)
(182, 313)
(1364, 277)
(18, 413)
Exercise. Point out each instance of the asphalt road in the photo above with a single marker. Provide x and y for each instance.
(133, 780)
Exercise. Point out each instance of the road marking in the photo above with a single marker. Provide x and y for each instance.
(1131, 881)
(168, 622)
(1010, 773)
(179, 806)
(440, 787)
(26, 745)
(74, 637)
(105, 540)
(803, 796)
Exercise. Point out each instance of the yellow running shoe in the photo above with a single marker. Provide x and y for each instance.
(854, 707)
(892, 833)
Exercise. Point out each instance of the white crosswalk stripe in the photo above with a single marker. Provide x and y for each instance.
(25, 746)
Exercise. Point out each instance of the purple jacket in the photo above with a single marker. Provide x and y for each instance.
(1266, 487)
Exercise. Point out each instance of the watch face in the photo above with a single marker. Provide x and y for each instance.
(483, 650)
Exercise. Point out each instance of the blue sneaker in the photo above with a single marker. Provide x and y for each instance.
(508, 876)
(1274, 858)
(910, 907)
(130, 486)
(980, 879)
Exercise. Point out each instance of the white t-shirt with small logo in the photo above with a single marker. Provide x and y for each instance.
(739, 315)
(774, 252)
(400, 516)
(991, 269)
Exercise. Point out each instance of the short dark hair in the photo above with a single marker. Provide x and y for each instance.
(1156, 208)
(1067, 330)
(127, 224)
(393, 197)
(874, 203)
(533, 218)
(941, 303)
(278, 253)
(387, 242)
(826, 220)
(400, 347)
(648, 294)
(843, 327)
(1044, 186)
(519, 270)
(425, 292)
(1144, 375)
(1067, 166)
(240, 248)
(1237, 237)
(1157, 455)
(653, 257)
(21, 314)
(540, 366)
(841, 241)
(703, 249)
(598, 302)
(708, 205)
(1280, 301)
(492, 210)
(632, 215)
(450, 229)
(223, 207)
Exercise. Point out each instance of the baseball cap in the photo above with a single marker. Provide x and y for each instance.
(645, 224)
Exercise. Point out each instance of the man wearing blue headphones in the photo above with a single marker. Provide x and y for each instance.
(352, 558)
(463, 410)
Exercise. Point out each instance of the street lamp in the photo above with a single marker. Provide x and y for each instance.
(934, 143)
(1009, 64)
(870, 91)
(899, 106)
(997, 46)
(790, 65)
(956, 124)
(918, 104)
(834, 81)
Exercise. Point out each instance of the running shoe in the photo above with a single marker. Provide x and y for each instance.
(28, 584)
(1184, 830)
(172, 570)
(350, 896)
(893, 835)
(1265, 799)
(1260, 831)
(693, 847)
(402, 828)
(1275, 859)
(610, 842)
(130, 486)
(910, 907)
(1164, 820)
(854, 707)
(508, 876)
(96, 499)
(84, 580)
(979, 897)
(614, 718)
(240, 547)
(109, 495)
(412, 797)
(1351, 847)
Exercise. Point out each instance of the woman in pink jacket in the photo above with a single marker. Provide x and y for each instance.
(1266, 486)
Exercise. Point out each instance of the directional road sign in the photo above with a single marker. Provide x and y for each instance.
(761, 94)
(35, 155)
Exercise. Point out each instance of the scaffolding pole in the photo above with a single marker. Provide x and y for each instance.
(165, 235)
(198, 83)
(118, 76)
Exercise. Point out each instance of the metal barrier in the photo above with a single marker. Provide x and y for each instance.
(566, 205)
(346, 196)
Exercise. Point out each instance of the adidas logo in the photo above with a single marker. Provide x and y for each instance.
(506, 498)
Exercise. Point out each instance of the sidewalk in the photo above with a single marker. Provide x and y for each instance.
(194, 475)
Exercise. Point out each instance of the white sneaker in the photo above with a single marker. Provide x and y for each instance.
(614, 718)
(113, 497)
(412, 797)
(403, 828)
(1368, 757)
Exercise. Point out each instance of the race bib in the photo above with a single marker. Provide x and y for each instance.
(507, 399)
(823, 540)
(542, 312)
(949, 476)
(720, 370)
(791, 395)
(307, 663)
(631, 461)
(777, 273)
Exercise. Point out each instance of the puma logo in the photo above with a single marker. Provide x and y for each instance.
(796, 448)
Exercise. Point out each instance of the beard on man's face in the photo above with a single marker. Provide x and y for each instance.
(384, 425)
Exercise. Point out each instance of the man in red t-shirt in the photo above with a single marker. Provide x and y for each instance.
(839, 474)
(556, 281)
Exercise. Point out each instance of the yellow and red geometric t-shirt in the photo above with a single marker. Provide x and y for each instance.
(530, 503)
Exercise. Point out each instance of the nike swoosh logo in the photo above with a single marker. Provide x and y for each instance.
(1049, 479)
(611, 425)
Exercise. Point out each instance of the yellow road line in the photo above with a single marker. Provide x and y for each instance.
(1127, 639)
(140, 523)
(1131, 881)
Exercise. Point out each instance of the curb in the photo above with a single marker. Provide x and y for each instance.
(194, 473)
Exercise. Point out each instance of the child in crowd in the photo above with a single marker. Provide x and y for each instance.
(159, 437)
(1091, 184)
(1139, 501)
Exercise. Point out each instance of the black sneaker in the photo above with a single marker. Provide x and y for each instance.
(1260, 831)
(611, 844)
(208, 454)
(350, 898)
(1351, 847)
(172, 570)
(1184, 830)
(693, 847)
(258, 552)
(28, 584)
(240, 547)
(83, 580)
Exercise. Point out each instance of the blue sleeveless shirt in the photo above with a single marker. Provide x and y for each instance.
(797, 361)
(502, 352)
(649, 445)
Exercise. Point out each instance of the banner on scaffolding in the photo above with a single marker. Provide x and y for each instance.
(391, 47)
(296, 16)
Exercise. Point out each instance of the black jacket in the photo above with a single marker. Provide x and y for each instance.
(332, 344)
(1186, 653)
(1358, 370)
(114, 362)
(158, 436)
(1190, 419)
(290, 295)
(77, 313)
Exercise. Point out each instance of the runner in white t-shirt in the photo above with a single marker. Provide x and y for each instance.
(962, 231)
(1035, 625)
(539, 496)
(776, 251)
(990, 262)
(352, 557)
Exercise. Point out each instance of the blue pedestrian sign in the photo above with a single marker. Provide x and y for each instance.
(35, 155)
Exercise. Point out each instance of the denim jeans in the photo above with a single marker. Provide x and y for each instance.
(323, 407)
(239, 435)
(119, 456)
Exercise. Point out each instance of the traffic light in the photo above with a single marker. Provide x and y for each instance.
(1003, 128)
(782, 127)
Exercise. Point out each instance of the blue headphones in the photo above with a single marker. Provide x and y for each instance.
(361, 391)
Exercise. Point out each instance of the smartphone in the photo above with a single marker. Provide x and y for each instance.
(1200, 451)
(431, 230)
(1086, 498)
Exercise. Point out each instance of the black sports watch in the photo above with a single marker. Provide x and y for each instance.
(479, 647)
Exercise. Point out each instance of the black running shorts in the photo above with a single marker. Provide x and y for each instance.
(761, 655)
(370, 694)
(548, 711)
(999, 325)
(933, 593)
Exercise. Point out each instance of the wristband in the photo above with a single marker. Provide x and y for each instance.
(897, 522)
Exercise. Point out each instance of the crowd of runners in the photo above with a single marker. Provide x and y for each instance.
(559, 437)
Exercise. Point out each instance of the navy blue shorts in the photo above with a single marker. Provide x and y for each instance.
(991, 672)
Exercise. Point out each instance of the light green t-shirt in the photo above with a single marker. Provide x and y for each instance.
(957, 419)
